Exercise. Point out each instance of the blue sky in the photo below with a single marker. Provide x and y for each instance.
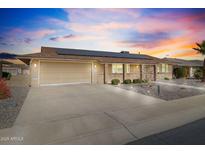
(157, 32)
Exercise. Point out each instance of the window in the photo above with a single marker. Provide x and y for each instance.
(158, 68)
(117, 68)
(127, 67)
(165, 68)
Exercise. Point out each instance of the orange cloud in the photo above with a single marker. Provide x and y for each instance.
(185, 54)
(157, 52)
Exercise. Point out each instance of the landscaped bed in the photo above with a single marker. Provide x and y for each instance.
(9, 112)
(162, 91)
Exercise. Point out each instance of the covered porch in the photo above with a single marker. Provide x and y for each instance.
(123, 71)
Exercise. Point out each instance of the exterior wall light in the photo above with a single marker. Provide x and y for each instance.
(95, 66)
(35, 65)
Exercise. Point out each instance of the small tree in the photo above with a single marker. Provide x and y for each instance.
(201, 49)
(180, 72)
(198, 74)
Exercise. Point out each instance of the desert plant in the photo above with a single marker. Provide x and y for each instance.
(115, 81)
(201, 49)
(198, 74)
(6, 75)
(4, 90)
(127, 81)
(137, 81)
(166, 78)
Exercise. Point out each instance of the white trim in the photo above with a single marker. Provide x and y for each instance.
(61, 84)
(39, 68)
(92, 76)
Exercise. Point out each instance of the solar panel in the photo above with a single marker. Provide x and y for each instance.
(7, 56)
(91, 53)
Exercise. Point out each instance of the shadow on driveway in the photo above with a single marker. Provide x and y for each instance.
(189, 134)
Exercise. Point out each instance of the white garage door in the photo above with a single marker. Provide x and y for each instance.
(64, 73)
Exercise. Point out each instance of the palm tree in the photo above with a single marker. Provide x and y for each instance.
(201, 49)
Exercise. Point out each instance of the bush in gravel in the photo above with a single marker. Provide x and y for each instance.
(166, 78)
(4, 90)
(115, 81)
(137, 81)
(6, 75)
(127, 81)
(198, 74)
(145, 81)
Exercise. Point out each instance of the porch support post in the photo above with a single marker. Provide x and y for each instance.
(105, 73)
(123, 72)
(140, 71)
(92, 73)
(190, 72)
(155, 73)
(1, 67)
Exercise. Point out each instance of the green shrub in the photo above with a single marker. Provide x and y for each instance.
(115, 81)
(166, 78)
(137, 81)
(198, 74)
(180, 72)
(6, 75)
(145, 81)
(127, 81)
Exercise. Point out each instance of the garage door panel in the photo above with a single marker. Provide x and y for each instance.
(61, 72)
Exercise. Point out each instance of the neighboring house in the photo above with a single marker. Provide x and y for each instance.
(57, 66)
(9, 63)
(190, 65)
(16, 69)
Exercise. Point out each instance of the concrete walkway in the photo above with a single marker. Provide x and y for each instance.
(97, 114)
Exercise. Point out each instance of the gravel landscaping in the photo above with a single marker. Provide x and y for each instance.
(190, 82)
(162, 91)
(8, 114)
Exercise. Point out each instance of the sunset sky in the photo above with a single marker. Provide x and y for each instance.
(156, 32)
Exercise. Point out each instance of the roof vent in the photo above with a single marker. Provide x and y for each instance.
(127, 52)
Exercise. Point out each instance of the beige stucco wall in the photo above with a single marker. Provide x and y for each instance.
(34, 73)
(161, 76)
(98, 73)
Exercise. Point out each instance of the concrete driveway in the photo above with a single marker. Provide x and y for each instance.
(96, 114)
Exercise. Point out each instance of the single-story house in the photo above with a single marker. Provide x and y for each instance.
(190, 65)
(58, 66)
